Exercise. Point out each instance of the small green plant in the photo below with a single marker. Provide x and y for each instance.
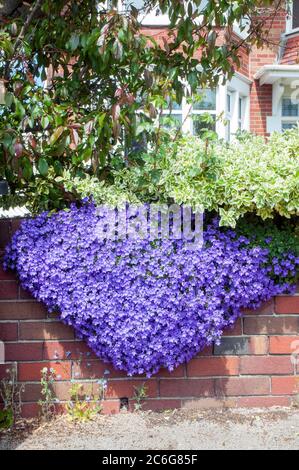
(10, 393)
(82, 406)
(47, 403)
(140, 394)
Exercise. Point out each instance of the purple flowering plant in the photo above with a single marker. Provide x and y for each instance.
(140, 304)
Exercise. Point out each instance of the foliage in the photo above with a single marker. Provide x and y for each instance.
(47, 404)
(6, 418)
(247, 176)
(277, 236)
(142, 304)
(81, 86)
(11, 395)
(140, 394)
(82, 407)
(90, 187)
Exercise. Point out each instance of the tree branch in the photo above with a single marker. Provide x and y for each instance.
(34, 8)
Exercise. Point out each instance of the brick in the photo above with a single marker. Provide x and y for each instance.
(234, 386)
(45, 330)
(263, 365)
(207, 351)
(8, 290)
(236, 329)
(53, 315)
(9, 331)
(7, 275)
(208, 403)
(159, 404)
(284, 344)
(5, 232)
(22, 310)
(240, 345)
(60, 350)
(31, 392)
(16, 223)
(262, 402)
(125, 388)
(5, 370)
(271, 325)
(95, 369)
(177, 372)
(287, 304)
(23, 351)
(267, 308)
(31, 371)
(60, 390)
(187, 388)
(213, 366)
(110, 407)
(24, 294)
(30, 410)
(33, 410)
(285, 385)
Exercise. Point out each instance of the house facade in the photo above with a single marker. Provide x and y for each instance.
(262, 95)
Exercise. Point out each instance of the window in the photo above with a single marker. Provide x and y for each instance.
(289, 108)
(173, 116)
(293, 16)
(288, 125)
(228, 115)
(241, 109)
(194, 118)
(289, 113)
(146, 16)
(204, 112)
(139, 4)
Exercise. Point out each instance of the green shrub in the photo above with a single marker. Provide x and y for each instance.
(246, 176)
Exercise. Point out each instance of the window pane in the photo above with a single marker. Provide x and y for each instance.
(207, 101)
(240, 108)
(172, 121)
(228, 99)
(201, 125)
(295, 23)
(135, 3)
(288, 125)
(173, 104)
(289, 108)
(228, 130)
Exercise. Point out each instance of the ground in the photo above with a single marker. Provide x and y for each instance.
(276, 428)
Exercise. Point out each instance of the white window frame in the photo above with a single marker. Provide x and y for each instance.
(237, 88)
(229, 115)
(241, 111)
(202, 112)
(187, 112)
(287, 119)
(175, 111)
(289, 18)
(149, 19)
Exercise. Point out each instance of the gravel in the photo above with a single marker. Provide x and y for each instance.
(275, 428)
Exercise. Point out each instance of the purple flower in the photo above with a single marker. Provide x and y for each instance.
(142, 305)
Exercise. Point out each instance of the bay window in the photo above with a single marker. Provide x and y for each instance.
(289, 113)
(293, 16)
(224, 110)
(194, 117)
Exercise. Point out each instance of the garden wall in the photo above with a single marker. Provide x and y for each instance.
(255, 365)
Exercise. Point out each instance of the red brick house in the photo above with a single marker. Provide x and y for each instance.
(261, 97)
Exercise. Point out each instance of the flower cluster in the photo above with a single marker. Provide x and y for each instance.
(142, 305)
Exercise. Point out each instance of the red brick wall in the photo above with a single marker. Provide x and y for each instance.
(261, 96)
(251, 367)
(291, 51)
